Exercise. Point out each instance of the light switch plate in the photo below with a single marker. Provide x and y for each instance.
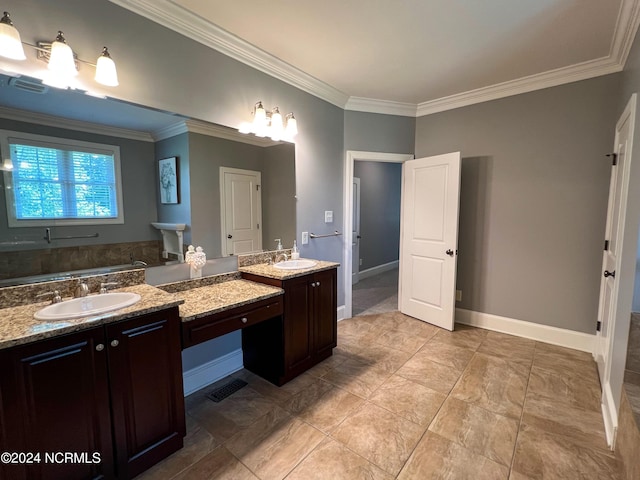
(305, 238)
(458, 295)
(328, 216)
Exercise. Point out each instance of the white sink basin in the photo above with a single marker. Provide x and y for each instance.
(295, 264)
(87, 306)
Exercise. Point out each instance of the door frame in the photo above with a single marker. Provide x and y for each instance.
(350, 157)
(355, 275)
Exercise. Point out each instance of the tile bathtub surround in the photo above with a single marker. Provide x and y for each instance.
(26, 294)
(63, 259)
(444, 405)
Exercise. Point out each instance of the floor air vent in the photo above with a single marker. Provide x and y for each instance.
(225, 390)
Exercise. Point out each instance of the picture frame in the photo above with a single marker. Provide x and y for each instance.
(168, 181)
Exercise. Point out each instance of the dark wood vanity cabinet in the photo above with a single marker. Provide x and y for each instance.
(112, 395)
(307, 334)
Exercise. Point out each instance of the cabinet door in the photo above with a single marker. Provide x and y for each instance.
(145, 369)
(325, 307)
(55, 398)
(297, 324)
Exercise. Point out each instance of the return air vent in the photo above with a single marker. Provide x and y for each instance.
(28, 85)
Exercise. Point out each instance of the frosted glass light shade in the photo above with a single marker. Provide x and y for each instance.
(292, 126)
(7, 165)
(10, 43)
(61, 61)
(277, 129)
(106, 73)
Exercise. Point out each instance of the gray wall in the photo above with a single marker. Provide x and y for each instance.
(138, 192)
(278, 196)
(533, 199)
(380, 185)
(178, 147)
(371, 132)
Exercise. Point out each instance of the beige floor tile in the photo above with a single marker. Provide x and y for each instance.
(462, 336)
(198, 443)
(333, 461)
(219, 464)
(479, 430)
(274, 445)
(540, 454)
(446, 354)
(565, 360)
(432, 375)
(361, 379)
(515, 349)
(323, 406)
(383, 438)
(231, 415)
(327, 364)
(437, 458)
(389, 359)
(408, 399)
(415, 327)
(582, 427)
(401, 341)
(494, 384)
(564, 387)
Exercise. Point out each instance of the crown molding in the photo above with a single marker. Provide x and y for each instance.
(182, 21)
(186, 23)
(211, 130)
(371, 105)
(553, 78)
(77, 125)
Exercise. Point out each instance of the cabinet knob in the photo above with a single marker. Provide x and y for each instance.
(317, 284)
(244, 319)
(99, 347)
(313, 284)
(115, 343)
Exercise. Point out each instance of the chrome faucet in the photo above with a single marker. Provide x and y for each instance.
(55, 296)
(104, 287)
(82, 289)
(280, 257)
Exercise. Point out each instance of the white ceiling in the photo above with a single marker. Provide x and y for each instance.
(411, 57)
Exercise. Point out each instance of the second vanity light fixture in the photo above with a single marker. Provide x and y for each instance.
(59, 56)
(270, 124)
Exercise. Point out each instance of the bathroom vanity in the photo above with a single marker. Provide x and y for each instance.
(108, 389)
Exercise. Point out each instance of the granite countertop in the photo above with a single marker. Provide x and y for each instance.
(269, 271)
(203, 301)
(17, 325)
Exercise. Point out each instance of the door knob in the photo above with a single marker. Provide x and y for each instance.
(607, 273)
(449, 252)
(229, 236)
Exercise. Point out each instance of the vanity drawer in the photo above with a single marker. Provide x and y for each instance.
(212, 326)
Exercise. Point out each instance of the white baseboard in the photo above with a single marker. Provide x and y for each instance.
(341, 310)
(543, 333)
(609, 415)
(385, 267)
(212, 371)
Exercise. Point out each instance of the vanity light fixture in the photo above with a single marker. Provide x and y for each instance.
(62, 62)
(10, 43)
(270, 124)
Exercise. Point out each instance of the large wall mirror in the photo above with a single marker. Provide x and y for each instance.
(144, 137)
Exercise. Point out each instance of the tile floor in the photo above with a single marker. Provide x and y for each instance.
(403, 399)
(376, 294)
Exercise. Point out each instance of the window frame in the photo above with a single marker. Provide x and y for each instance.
(60, 144)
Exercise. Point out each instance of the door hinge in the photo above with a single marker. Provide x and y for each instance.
(606, 245)
(614, 158)
(258, 226)
(598, 326)
(257, 187)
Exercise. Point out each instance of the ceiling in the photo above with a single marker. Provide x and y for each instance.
(411, 57)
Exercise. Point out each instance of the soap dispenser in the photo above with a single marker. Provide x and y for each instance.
(295, 253)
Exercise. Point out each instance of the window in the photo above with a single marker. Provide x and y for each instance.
(63, 181)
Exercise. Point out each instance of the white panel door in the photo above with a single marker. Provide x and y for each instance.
(429, 238)
(618, 189)
(241, 211)
(355, 233)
